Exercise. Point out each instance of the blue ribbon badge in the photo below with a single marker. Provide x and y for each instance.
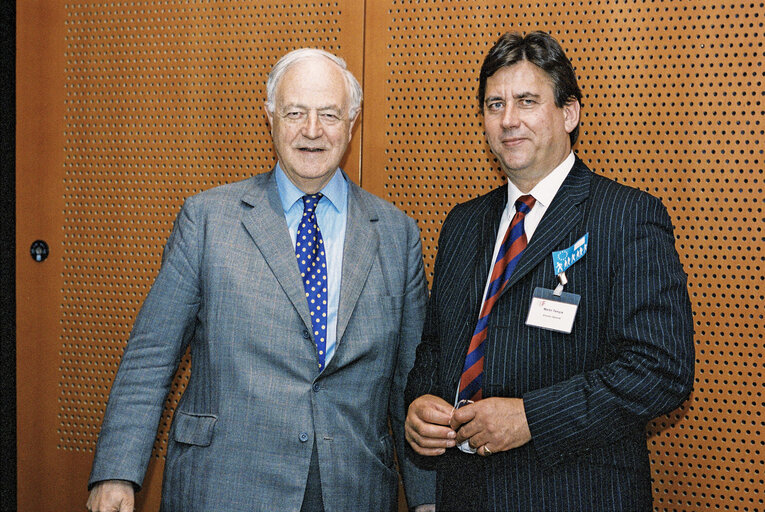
(562, 260)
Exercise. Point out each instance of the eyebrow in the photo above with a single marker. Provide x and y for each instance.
(304, 107)
(519, 96)
(524, 95)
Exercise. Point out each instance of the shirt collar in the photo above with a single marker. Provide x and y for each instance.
(336, 190)
(545, 190)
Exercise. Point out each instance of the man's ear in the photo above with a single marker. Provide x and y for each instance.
(269, 115)
(571, 115)
(352, 124)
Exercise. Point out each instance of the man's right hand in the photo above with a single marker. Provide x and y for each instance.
(427, 425)
(111, 496)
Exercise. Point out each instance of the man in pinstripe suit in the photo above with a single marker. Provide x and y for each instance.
(566, 389)
(277, 416)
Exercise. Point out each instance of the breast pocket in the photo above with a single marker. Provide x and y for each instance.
(392, 305)
(374, 329)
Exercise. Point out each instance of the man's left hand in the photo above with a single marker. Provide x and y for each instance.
(492, 425)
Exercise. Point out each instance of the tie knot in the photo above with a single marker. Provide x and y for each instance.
(524, 204)
(310, 201)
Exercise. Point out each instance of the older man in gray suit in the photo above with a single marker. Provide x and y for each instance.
(301, 297)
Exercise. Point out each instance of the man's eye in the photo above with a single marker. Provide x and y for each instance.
(293, 115)
(330, 116)
(494, 106)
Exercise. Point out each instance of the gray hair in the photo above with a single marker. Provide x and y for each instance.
(276, 74)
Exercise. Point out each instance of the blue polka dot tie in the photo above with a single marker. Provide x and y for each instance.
(309, 250)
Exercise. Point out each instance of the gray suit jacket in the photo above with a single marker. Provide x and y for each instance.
(243, 432)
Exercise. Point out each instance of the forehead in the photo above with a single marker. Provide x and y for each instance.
(314, 81)
(522, 77)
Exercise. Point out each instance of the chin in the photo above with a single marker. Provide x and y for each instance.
(311, 175)
(513, 167)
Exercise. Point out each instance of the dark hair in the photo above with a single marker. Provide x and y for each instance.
(543, 51)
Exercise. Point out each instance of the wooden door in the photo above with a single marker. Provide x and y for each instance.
(125, 109)
(673, 105)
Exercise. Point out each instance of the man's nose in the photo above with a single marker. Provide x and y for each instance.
(510, 118)
(312, 128)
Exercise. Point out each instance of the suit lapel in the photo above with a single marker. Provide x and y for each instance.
(359, 252)
(487, 221)
(559, 220)
(268, 228)
(488, 237)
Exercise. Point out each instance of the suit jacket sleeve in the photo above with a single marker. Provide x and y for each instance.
(157, 342)
(424, 377)
(419, 484)
(649, 327)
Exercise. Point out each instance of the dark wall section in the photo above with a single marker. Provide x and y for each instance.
(7, 256)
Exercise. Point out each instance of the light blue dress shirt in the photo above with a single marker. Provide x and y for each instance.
(331, 215)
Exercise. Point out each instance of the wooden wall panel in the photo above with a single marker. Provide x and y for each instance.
(673, 104)
(127, 108)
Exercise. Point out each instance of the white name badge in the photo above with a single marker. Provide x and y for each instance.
(551, 312)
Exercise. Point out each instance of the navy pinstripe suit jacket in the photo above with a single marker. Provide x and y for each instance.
(588, 395)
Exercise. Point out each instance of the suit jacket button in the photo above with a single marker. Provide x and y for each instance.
(306, 334)
(303, 437)
(316, 386)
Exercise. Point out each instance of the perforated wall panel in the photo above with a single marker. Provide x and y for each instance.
(164, 99)
(673, 104)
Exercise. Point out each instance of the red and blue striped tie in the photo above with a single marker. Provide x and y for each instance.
(471, 382)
